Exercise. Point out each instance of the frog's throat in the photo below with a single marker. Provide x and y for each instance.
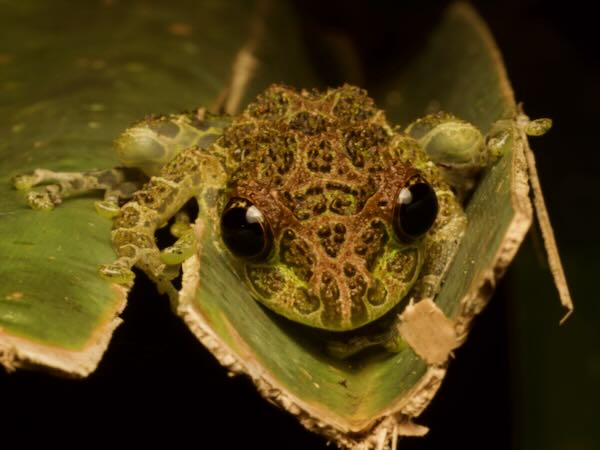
(336, 295)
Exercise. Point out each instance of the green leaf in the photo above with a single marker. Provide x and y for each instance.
(374, 399)
(63, 98)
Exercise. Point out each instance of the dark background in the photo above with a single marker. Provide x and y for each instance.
(520, 381)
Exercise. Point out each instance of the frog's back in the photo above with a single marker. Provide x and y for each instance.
(325, 170)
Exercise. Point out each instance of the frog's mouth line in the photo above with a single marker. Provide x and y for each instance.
(336, 302)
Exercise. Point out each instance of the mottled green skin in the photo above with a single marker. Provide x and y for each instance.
(325, 170)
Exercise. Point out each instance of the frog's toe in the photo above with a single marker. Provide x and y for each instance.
(41, 200)
(498, 143)
(107, 208)
(175, 255)
(538, 127)
(181, 250)
(117, 273)
(24, 182)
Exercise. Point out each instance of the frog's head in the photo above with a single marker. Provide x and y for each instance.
(328, 209)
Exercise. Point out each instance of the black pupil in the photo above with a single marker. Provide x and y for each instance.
(243, 230)
(415, 218)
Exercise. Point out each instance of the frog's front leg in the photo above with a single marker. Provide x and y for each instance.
(117, 183)
(142, 149)
(189, 175)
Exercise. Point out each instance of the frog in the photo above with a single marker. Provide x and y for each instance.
(331, 217)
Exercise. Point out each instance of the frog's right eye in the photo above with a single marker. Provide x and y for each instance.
(415, 210)
(245, 230)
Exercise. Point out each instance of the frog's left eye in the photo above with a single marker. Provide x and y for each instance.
(245, 230)
(415, 210)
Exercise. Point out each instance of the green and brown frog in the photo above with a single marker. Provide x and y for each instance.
(331, 216)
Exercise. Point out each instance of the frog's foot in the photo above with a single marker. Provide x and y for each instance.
(391, 341)
(48, 198)
(500, 136)
(43, 201)
(27, 181)
(119, 183)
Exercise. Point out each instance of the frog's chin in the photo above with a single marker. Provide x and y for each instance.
(301, 306)
(336, 303)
